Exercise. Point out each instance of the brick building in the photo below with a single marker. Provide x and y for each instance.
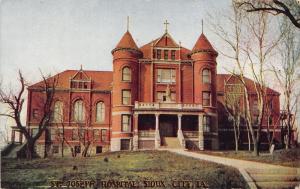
(159, 94)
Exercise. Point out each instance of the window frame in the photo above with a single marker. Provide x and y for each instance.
(57, 116)
(206, 99)
(124, 98)
(173, 54)
(101, 111)
(161, 74)
(206, 121)
(126, 126)
(158, 55)
(104, 137)
(166, 54)
(77, 116)
(127, 73)
(206, 76)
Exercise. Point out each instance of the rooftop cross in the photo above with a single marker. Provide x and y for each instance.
(127, 23)
(202, 25)
(166, 23)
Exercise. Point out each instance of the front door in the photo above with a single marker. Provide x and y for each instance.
(168, 126)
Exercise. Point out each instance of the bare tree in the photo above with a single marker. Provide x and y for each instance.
(234, 95)
(15, 102)
(257, 48)
(287, 76)
(289, 8)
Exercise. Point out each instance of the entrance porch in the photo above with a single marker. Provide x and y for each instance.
(172, 130)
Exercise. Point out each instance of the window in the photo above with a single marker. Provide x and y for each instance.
(103, 135)
(166, 76)
(206, 98)
(126, 97)
(125, 144)
(74, 134)
(55, 149)
(58, 112)
(77, 149)
(96, 134)
(206, 76)
(206, 123)
(255, 107)
(79, 112)
(98, 149)
(53, 133)
(35, 113)
(270, 105)
(158, 54)
(173, 54)
(166, 54)
(270, 120)
(100, 112)
(125, 123)
(126, 74)
(154, 54)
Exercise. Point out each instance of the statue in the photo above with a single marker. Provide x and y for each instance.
(168, 93)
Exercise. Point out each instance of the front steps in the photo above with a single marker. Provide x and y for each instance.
(275, 178)
(170, 142)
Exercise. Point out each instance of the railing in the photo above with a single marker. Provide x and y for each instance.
(161, 105)
(147, 134)
(191, 134)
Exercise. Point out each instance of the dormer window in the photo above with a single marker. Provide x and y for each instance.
(173, 54)
(158, 54)
(166, 53)
(79, 84)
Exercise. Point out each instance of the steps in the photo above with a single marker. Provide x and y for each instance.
(275, 178)
(170, 142)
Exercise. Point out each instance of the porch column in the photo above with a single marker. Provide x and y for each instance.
(156, 122)
(201, 136)
(135, 132)
(13, 136)
(179, 122)
(179, 132)
(157, 135)
(21, 137)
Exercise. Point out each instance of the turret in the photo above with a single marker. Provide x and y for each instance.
(204, 60)
(124, 91)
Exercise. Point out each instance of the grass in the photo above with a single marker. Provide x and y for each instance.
(289, 157)
(119, 166)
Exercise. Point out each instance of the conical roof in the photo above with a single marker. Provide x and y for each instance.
(127, 42)
(203, 44)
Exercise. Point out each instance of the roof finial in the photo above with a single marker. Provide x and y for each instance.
(166, 23)
(127, 23)
(202, 25)
(80, 67)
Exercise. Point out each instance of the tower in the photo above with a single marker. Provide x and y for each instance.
(124, 91)
(205, 81)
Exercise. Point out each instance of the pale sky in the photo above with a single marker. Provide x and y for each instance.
(55, 35)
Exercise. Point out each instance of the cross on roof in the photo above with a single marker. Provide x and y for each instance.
(166, 23)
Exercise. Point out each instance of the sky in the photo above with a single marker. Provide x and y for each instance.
(50, 36)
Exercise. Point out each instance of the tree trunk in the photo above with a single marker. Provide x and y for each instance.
(30, 152)
(255, 148)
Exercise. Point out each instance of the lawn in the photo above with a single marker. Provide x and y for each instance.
(290, 157)
(162, 169)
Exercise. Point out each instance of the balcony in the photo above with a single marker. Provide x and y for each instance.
(169, 106)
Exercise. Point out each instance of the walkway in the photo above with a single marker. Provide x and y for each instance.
(256, 174)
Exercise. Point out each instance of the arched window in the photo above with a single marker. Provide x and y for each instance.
(206, 76)
(100, 112)
(58, 112)
(126, 74)
(79, 111)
